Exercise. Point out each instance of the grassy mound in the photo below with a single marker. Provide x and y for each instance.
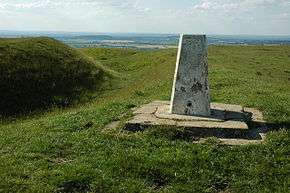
(39, 72)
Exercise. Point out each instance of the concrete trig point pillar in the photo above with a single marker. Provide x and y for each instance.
(190, 92)
(190, 106)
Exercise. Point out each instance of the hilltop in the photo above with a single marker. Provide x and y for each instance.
(77, 150)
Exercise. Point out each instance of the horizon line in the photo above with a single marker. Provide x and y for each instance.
(145, 33)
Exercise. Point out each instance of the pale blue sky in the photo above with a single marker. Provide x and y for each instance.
(256, 17)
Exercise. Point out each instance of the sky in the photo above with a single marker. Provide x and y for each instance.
(232, 17)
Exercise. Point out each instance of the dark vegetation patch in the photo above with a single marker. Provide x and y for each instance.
(36, 73)
(74, 186)
(259, 73)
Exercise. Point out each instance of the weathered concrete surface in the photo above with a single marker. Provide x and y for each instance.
(190, 92)
(226, 121)
(219, 113)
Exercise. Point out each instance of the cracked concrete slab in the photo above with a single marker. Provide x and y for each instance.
(225, 121)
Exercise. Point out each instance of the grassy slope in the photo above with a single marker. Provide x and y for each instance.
(36, 73)
(70, 151)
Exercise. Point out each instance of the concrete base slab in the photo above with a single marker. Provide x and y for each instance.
(225, 121)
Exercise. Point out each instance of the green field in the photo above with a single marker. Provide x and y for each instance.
(71, 150)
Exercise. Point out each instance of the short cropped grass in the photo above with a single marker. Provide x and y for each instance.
(71, 150)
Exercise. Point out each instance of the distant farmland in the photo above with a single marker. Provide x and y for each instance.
(146, 41)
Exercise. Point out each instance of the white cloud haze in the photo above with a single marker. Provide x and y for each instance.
(148, 16)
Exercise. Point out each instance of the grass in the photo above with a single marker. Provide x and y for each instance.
(70, 150)
(37, 73)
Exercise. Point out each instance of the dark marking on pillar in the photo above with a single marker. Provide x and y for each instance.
(206, 86)
(196, 87)
(189, 104)
(186, 111)
(183, 89)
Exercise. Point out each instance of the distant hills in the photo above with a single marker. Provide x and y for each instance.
(144, 41)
